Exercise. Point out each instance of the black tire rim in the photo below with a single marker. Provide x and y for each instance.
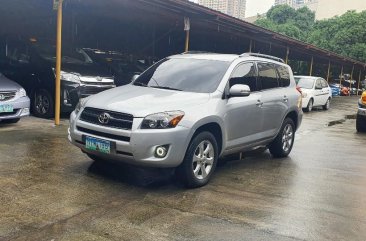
(42, 103)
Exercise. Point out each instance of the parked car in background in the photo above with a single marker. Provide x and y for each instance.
(336, 89)
(122, 66)
(187, 110)
(315, 92)
(31, 64)
(14, 103)
(361, 114)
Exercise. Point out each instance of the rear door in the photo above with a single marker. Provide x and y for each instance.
(318, 93)
(274, 98)
(326, 91)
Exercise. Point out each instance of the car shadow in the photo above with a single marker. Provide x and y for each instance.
(133, 175)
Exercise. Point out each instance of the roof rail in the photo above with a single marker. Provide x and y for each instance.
(197, 52)
(262, 56)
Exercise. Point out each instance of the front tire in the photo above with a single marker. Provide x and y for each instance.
(360, 124)
(200, 160)
(327, 105)
(43, 104)
(283, 143)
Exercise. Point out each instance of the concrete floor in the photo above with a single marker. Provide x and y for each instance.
(49, 190)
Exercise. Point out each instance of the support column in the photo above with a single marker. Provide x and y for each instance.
(351, 78)
(58, 64)
(359, 81)
(287, 54)
(187, 28)
(328, 72)
(311, 66)
(340, 77)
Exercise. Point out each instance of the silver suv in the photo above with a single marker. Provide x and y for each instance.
(188, 110)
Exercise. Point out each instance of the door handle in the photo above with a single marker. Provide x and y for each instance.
(259, 103)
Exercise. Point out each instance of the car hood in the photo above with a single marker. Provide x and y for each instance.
(8, 85)
(142, 101)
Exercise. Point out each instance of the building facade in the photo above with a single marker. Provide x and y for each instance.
(235, 8)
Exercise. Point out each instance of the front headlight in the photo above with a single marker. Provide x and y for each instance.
(21, 93)
(80, 105)
(71, 77)
(164, 120)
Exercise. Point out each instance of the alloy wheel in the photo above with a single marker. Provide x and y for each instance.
(287, 137)
(203, 159)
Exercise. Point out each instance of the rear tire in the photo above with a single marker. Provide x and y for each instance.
(43, 104)
(282, 145)
(310, 106)
(11, 121)
(200, 160)
(327, 105)
(360, 124)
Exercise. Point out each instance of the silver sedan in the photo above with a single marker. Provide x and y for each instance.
(14, 102)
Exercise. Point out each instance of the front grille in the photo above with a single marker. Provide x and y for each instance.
(102, 134)
(9, 113)
(97, 83)
(92, 90)
(116, 120)
(7, 95)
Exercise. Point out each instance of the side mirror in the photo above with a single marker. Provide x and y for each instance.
(134, 77)
(239, 91)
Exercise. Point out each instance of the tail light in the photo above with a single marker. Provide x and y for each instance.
(298, 89)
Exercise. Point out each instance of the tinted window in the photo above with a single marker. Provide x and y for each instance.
(284, 75)
(192, 75)
(245, 74)
(268, 76)
(324, 83)
(18, 53)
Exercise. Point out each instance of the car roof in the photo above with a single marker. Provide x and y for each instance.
(307, 77)
(222, 57)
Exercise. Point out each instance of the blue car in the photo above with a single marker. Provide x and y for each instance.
(336, 90)
(14, 102)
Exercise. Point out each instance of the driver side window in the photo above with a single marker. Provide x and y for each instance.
(245, 74)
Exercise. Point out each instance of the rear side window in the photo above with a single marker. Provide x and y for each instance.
(324, 83)
(284, 75)
(318, 84)
(245, 74)
(268, 76)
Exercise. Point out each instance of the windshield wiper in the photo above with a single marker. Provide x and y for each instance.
(165, 88)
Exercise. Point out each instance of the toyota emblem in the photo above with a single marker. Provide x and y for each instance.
(2, 97)
(104, 118)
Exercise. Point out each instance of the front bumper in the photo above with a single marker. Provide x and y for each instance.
(20, 106)
(135, 146)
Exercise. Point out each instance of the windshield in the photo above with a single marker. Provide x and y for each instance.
(304, 83)
(69, 54)
(192, 75)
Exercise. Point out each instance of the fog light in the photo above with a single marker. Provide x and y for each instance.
(161, 151)
(25, 111)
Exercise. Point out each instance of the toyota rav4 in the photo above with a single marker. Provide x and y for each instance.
(188, 110)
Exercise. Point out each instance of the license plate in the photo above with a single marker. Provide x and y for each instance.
(95, 144)
(6, 108)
